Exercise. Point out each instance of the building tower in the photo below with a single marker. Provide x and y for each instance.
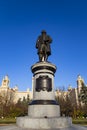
(5, 83)
(80, 82)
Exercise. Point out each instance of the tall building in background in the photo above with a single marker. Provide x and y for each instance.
(5, 88)
(72, 93)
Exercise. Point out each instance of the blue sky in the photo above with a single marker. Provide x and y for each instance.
(21, 21)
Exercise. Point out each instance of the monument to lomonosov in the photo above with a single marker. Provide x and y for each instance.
(43, 111)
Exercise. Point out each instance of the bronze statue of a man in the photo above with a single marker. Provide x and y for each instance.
(43, 46)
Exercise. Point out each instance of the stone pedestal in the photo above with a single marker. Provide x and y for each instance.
(43, 104)
(43, 111)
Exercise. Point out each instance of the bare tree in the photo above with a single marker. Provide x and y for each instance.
(6, 101)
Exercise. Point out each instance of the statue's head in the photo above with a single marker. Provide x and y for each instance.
(43, 32)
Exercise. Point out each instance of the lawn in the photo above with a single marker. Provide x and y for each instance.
(80, 121)
(7, 121)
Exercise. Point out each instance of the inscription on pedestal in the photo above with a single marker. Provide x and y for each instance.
(43, 83)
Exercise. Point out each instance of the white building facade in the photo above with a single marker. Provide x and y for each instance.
(5, 88)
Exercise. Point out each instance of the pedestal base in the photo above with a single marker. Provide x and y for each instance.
(44, 123)
(41, 111)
